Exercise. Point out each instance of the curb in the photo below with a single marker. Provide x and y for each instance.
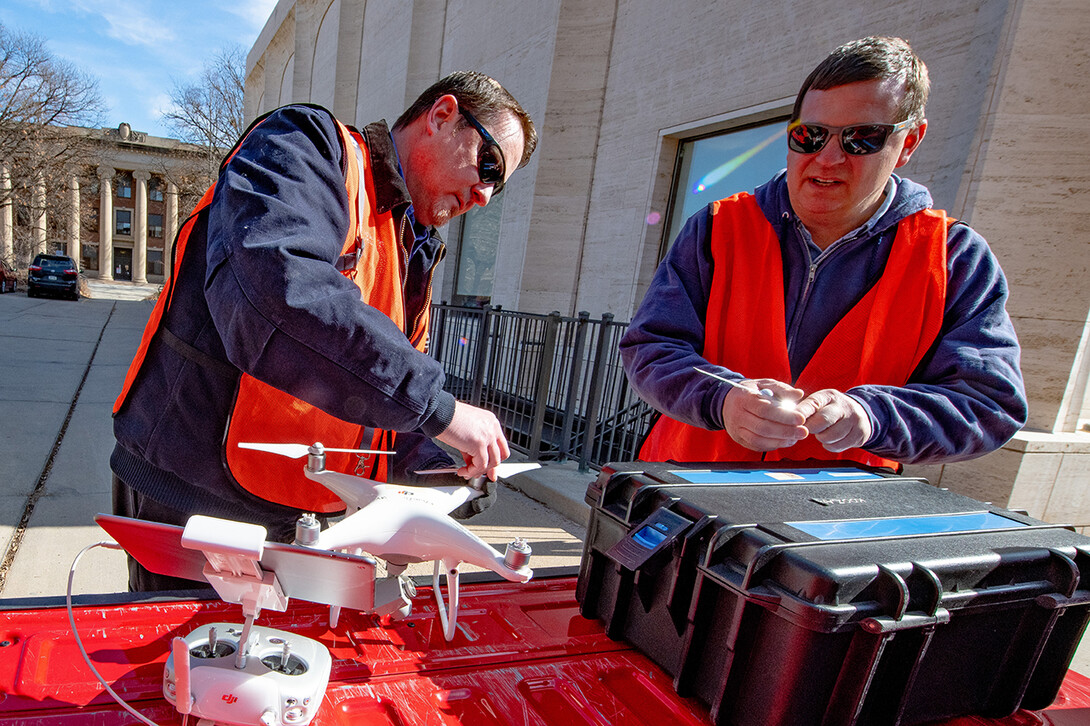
(560, 486)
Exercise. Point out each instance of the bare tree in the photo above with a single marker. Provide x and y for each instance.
(210, 112)
(40, 97)
(40, 93)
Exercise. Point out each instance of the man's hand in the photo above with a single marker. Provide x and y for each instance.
(761, 423)
(476, 506)
(835, 419)
(478, 435)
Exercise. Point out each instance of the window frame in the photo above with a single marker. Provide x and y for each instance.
(152, 228)
(124, 187)
(679, 136)
(155, 261)
(456, 297)
(117, 222)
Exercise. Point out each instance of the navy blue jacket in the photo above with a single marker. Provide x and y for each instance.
(965, 398)
(258, 291)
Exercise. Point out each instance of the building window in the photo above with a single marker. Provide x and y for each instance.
(155, 226)
(155, 190)
(714, 167)
(88, 256)
(124, 185)
(477, 254)
(155, 261)
(123, 224)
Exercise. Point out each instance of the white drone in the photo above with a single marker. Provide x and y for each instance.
(405, 524)
(249, 675)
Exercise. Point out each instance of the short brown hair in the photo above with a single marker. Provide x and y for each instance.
(482, 96)
(870, 59)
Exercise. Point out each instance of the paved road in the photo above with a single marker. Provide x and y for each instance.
(62, 365)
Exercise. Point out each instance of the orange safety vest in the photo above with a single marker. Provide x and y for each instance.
(262, 413)
(880, 341)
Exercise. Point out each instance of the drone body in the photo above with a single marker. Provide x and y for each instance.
(408, 524)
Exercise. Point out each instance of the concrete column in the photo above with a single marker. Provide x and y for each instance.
(73, 219)
(106, 222)
(140, 228)
(308, 19)
(349, 48)
(38, 221)
(7, 219)
(425, 61)
(547, 274)
(170, 226)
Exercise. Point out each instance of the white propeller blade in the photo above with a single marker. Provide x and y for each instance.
(502, 470)
(298, 451)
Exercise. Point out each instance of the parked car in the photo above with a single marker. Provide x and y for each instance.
(8, 281)
(55, 274)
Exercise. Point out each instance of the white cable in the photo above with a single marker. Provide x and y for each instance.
(79, 642)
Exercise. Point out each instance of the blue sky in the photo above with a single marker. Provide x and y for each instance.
(138, 50)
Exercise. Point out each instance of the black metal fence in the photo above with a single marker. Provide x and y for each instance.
(555, 383)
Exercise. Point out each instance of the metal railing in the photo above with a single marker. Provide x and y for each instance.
(555, 383)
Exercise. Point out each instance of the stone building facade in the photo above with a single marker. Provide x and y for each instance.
(621, 90)
(120, 210)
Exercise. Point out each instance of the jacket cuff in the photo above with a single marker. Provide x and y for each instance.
(713, 411)
(441, 417)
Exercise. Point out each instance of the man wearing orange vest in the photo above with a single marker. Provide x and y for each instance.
(298, 312)
(849, 319)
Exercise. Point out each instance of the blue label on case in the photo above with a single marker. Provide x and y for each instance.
(773, 476)
(901, 526)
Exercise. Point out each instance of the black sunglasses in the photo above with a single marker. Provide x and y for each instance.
(490, 165)
(858, 140)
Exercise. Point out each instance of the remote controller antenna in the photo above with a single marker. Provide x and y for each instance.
(766, 392)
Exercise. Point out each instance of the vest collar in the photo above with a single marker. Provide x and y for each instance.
(390, 189)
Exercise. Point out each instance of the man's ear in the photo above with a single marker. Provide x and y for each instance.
(912, 142)
(444, 110)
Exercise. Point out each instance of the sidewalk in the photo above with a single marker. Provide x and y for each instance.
(114, 290)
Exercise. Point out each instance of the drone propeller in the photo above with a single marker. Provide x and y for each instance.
(298, 451)
(502, 470)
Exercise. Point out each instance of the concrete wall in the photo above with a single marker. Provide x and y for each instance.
(615, 85)
(1027, 192)
(1026, 188)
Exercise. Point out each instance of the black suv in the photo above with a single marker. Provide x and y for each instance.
(53, 274)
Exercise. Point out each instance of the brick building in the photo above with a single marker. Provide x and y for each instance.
(118, 211)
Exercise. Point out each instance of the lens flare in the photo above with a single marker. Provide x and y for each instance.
(720, 172)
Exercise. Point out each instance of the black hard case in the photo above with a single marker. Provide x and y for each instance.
(769, 626)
